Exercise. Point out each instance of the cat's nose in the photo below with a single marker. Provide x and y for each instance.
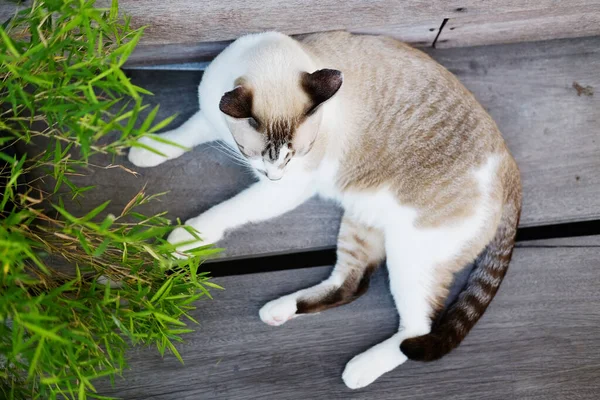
(274, 175)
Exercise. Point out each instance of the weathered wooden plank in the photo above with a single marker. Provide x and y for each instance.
(160, 54)
(193, 26)
(189, 21)
(521, 26)
(191, 31)
(540, 339)
(418, 34)
(527, 88)
(9, 8)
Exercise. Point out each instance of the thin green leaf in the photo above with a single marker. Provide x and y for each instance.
(36, 357)
(95, 212)
(9, 43)
(164, 290)
(43, 332)
(174, 351)
(168, 319)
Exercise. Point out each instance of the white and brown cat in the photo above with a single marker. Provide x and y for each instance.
(421, 170)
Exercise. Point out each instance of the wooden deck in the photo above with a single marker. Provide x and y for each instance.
(540, 338)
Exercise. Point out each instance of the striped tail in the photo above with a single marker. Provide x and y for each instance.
(483, 283)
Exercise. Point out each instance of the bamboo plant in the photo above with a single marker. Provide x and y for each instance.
(61, 84)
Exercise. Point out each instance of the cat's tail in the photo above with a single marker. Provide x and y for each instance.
(483, 283)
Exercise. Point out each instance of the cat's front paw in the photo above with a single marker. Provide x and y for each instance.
(208, 235)
(144, 158)
(279, 311)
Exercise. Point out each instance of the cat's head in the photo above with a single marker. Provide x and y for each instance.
(273, 122)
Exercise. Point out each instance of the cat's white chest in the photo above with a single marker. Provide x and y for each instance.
(378, 209)
(373, 208)
(324, 181)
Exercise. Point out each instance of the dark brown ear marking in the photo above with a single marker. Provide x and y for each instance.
(321, 85)
(237, 103)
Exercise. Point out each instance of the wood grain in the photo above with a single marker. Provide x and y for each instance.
(420, 34)
(521, 26)
(540, 339)
(192, 31)
(191, 27)
(189, 21)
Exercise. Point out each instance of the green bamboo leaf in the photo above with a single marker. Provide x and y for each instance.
(144, 146)
(72, 24)
(7, 158)
(38, 317)
(34, 79)
(193, 268)
(125, 81)
(162, 124)
(143, 91)
(213, 285)
(152, 252)
(9, 43)
(84, 244)
(43, 332)
(102, 248)
(94, 212)
(174, 351)
(137, 108)
(50, 380)
(204, 290)
(164, 290)
(108, 221)
(36, 261)
(36, 357)
(169, 142)
(180, 331)
(148, 121)
(81, 393)
(90, 37)
(168, 319)
(65, 214)
(114, 9)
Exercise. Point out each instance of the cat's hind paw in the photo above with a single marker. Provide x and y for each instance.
(279, 311)
(366, 367)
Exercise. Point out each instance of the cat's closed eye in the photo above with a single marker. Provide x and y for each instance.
(253, 122)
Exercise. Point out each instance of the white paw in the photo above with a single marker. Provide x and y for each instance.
(141, 157)
(366, 367)
(279, 311)
(207, 233)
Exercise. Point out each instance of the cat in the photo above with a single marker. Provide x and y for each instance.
(421, 170)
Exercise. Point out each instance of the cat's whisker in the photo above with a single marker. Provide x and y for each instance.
(235, 159)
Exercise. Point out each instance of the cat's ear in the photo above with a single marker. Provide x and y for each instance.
(237, 103)
(321, 85)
